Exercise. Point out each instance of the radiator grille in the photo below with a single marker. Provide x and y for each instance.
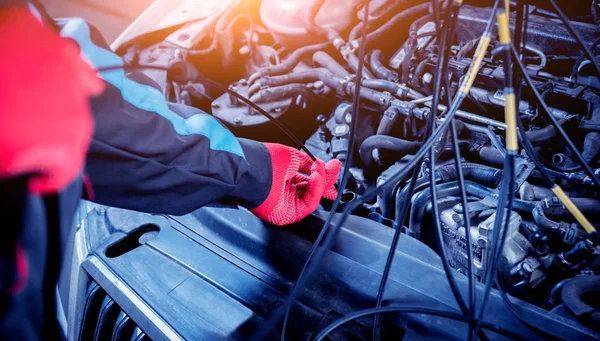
(103, 319)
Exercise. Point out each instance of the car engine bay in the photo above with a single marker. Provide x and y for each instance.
(298, 61)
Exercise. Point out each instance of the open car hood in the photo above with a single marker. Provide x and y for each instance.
(168, 14)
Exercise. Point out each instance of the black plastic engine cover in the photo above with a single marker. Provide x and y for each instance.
(218, 273)
(549, 35)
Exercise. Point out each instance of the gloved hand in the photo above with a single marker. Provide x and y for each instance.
(298, 184)
(45, 120)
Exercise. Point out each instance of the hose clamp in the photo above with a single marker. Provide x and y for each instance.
(386, 98)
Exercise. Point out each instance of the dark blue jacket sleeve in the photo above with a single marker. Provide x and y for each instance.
(153, 156)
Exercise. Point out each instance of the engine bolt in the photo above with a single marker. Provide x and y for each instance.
(178, 54)
(244, 50)
(301, 102)
(237, 120)
(215, 105)
(183, 36)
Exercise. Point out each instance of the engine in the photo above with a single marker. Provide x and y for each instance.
(298, 61)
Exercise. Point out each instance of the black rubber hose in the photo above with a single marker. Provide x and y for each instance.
(355, 31)
(388, 10)
(390, 116)
(352, 61)
(555, 292)
(585, 205)
(383, 85)
(368, 94)
(540, 218)
(325, 60)
(474, 172)
(421, 202)
(323, 75)
(395, 20)
(411, 44)
(380, 70)
(478, 173)
(544, 134)
(280, 92)
(491, 156)
(289, 63)
(418, 73)
(591, 144)
(388, 143)
(573, 298)
(307, 76)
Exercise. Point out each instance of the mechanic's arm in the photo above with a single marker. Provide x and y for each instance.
(153, 156)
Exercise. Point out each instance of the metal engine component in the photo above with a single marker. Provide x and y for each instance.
(229, 109)
(516, 249)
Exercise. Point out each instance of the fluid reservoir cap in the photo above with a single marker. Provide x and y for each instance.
(285, 19)
(341, 130)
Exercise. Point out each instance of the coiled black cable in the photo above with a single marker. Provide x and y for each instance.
(400, 215)
(515, 311)
(414, 310)
(439, 74)
(304, 273)
(329, 238)
(506, 196)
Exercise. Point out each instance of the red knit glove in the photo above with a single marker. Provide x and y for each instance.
(298, 184)
(45, 119)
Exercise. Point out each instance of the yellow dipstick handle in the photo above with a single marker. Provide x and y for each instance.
(581, 219)
(503, 29)
(484, 42)
(510, 117)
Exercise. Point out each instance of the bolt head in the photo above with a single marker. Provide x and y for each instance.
(321, 119)
(244, 50)
(427, 78)
(215, 105)
(456, 218)
(237, 120)
(301, 102)
(183, 37)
